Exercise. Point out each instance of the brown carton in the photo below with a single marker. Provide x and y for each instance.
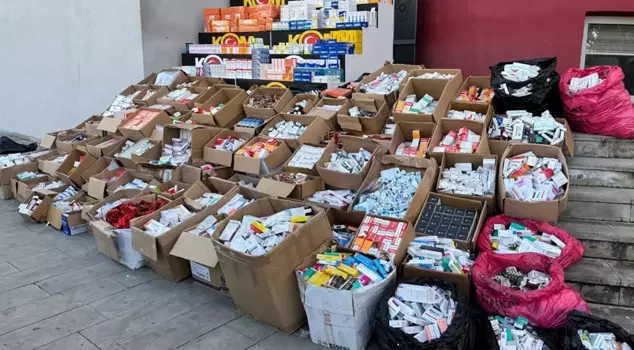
(48, 141)
(485, 109)
(341, 217)
(180, 78)
(188, 104)
(237, 178)
(164, 188)
(97, 184)
(457, 73)
(151, 154)
(341, 180)
(97, 148)
(323, 111)
(388, 68)
(135, 129)
(404, 133)
(7, 174)
(442, 91)
(457, 202)
(264, 165)
(192, 172)
(447, 125)
(56, 217)
(547, 211)
(148, 80)
(428, 168)
(462, 281)
(406, 239)
(200, 134)
(39, 214)
(211, 185)
(499, 146)
(48, 165)
(90, 126)
(253, 131)
(311, 100)
(285, 97)
(316, 129)
(227, 116)
(98, 167)
(481, 82)
(449, 160)
(265, 287)
(282, 189)
(74, 166)
(128, 177)
(364, 125)
(150, 94)
(205, 95)
(22, 189)
(216, 156)
(293, 169)
(65, 144)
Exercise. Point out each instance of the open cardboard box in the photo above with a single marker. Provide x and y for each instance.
(404, 133)
(74, 161)
(262, 166)
(148, 80)
(48, 165)
(462, 281)
(227, 116)
(99, 148)
(71, 223)
(311, 100)
(498, 147)
(180, 78)
(316, 129)
(151, 154)
(128, 177)
(22, 188)
(90, 126)
(187, 105)
(192, 172)
(237, 178)
(100, 166)
(48, 141)
(485, 109)
(205, 95)
(253, 131)
(284, 97)
(449, 160)
(97, 184)
(281, 189)
(481, 82)
(481, 211)
(217, 156)
(442, 91)
(388, 68)
(150, 95)
(211, 185)
(328, 115)
(163, 188)
(201, 135)
(428, 168)
(447, 125)
(414, 74)
(342, 217)
(547, 211)
(65, 144)
(265, 287)
(401, 251)
(39, 214)
(364, 125)
(136, 129)
(310, 171)
(341, 180)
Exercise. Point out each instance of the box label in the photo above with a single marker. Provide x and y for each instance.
(200, 271)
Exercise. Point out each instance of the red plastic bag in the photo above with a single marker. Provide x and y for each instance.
(545, 308)
(605, 109)
(569, 255)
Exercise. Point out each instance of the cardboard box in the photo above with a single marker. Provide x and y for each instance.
(388, 68)
(70, 223)
(148, 80)
(128, 177)
(498, 147)
(428, 168)
(250, 130)
(462, 281)
(216, 156)
(449, 160)
(418, 72)
(342, 319)
(73, 160)
(163, 188)
(337, 179)
(180, 78)
(442, 91)
(97, 184)
(39, 214)
(485, 109)
(48, 141)
(457, 202)
(211, 185)
(64, 144)
(265, 286)
(90, 126)
(364, 125)
(157, 248)
(155, 93)
(47, 165)
(286, 190)
(186, 107)
(292, 169)
(329, 116)
(447, 125)
(481, 82)
(227, 116)
(316, 129)
(285, 97)
(547, 211)
(404, 133)
(201, 135)
(342, 217)
(237, 178)
(98, 167)
(24, 188)
(264, 165)
(311, 100)
(205, 95)
(95, 148)
(192, 172)
(151, 154)
(138, 132)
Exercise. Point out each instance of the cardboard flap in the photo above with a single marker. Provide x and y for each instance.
(109, 124)
(275, 188)
(105, 239)
(195, 248)
(369, 105)
(413, 162)
(48, 141)
(347, 122)
(569, 139)
(145, 244)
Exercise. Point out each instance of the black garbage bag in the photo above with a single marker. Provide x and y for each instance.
(456, 337)
(7, 146)
(580, 320)
(545, 89)
(485, 337)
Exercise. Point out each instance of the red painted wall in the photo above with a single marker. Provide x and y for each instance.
(474, 34)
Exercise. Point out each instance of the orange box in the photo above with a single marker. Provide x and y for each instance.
(225, 10)
(248, 22)
(238, 9)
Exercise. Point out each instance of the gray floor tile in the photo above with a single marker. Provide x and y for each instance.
(131, 278)
(94, 291)
(7, 269)
(72, 342)
(79, 277)
(132, 298)
(48, 257)
(21, 296)
(38, 310)
(281, 341)
(251, 328)
(51, 329)
(223, 338)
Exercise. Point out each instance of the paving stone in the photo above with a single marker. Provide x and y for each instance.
(256, 347)
(73, 342)
(627, 252)
(221, 338)
(603, 148)
(82, 276)
(21, 296)
(599, 230)
(625, 271)
(598, 293)
(251, 328)
(94, 291)
(626, 297)
(598, 211)
(131, 298)
(601, 249)
(41, 259)
(17, 252)
(77, 245)
(7, 269)
(594, 271)
(626, 165)
(131, 278)
(51, 329)
(281, 341)
(22, 315)
(184, 328)
(601, 178)
(623, 316)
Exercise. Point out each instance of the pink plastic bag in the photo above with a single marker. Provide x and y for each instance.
(569, 255)
(605, 109)
(545, 308)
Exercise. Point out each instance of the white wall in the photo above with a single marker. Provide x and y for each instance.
(62, 61)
